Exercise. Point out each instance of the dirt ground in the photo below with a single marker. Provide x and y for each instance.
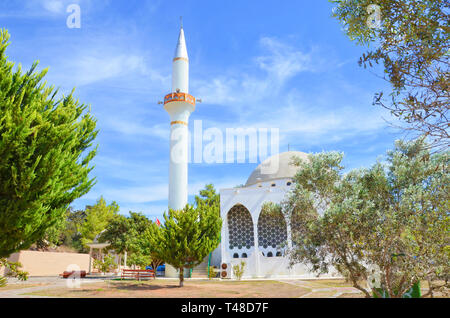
(169, 289)
(20, 286)
(193, 288)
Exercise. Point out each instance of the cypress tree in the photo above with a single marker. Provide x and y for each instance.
(45, 151)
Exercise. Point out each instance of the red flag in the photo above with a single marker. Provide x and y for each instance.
(157, 222)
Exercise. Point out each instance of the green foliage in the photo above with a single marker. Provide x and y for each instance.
(42, 142)
(105, 265)
(65, 232)
(71, 236)
(117, 233)
(126, 234)
(391, 219)
(238, 270)
(209, 197)
(413, 292)
(138, 259)
(212, 272)
(123, 232)
(187, 236)
(97, 219)
(13, 270)
(53, 235)
(412, 43)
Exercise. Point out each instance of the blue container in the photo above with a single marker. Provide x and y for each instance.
(161, 268)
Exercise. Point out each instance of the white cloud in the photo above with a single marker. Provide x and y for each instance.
(151, 211)
(89, 68)
(130, 127)
(153, 193)
(53, 6)
(134, 194)
(284, 61)
(281, 63)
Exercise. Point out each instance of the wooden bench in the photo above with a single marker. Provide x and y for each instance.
(74, 274)
(138, 273)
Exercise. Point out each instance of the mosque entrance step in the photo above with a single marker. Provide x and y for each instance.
(199, 275)
(201, 271)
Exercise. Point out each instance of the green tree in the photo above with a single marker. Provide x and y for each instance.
(53, 235)
(387, 225)
(125, 235)
(410, 38)
(209, 197)
(44, 154)
(65, 232)
(97, 219)
(71, 235)
(117, 233)
(186, 237)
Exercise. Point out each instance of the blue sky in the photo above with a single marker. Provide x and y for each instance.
(274, 64)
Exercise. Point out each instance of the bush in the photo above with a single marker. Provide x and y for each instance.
(212, 272)
(238, 270)
(13, 271)
(106, 265)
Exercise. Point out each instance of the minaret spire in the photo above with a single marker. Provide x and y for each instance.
(181, 50)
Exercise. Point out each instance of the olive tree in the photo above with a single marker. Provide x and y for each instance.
(384, 228)
(410, 39)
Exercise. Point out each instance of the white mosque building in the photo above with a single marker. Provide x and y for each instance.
(247, 234)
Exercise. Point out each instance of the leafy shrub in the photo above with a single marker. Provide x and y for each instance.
(238, 270)
(212, 272)
(106, 265)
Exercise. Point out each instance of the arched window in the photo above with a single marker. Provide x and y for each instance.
(244, 255)
(235, 255)
(279, 254)
(272, 230)
(240, 228)
(269, 254)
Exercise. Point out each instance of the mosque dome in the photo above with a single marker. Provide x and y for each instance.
(276, 167)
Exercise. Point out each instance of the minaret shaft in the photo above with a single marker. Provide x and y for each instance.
(179, 104)
(180, 76)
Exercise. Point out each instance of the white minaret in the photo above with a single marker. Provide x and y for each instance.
(179, 104)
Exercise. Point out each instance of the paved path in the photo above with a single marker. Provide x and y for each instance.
(333, 292)
(50, 283)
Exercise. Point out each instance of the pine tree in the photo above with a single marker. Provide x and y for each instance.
(45, 151)
(186, 237)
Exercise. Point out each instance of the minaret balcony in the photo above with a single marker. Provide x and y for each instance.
(179, 97)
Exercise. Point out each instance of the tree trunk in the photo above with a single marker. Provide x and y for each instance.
(181, 276)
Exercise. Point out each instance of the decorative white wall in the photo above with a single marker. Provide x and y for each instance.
(258, 265)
